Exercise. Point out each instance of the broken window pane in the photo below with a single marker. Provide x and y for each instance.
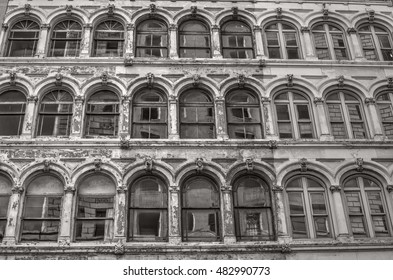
(23, 39)
(12, 112)
(194, 39)
(109, 39)
(42, 208)
(66, 39)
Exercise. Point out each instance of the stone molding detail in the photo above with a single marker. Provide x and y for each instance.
(340, 80)
(226, 188)
(152, 10)
(289, 80)
(303, 165)
(104, 78)
(45, 26)
(325, 12)
(265, 100)
(4, 26)
(32, 99)
(215, 27)
(194, 11)
(371, 16)
(174, 189)
(119, 247)
(68, 9)
(304, 29)
(277, 188)
(369, 101)
(121, 189)
(351, 30)
(273, 144)
(79, 99)
(17, 189)
(46, 163)
(27, 9)
(389, 188)
(262, 63)
(97, 164)
(111, 10)
(64, 242)
(124, 142)
(335, 188)
(195, 80)
(148, 164)
(279, 13)
(173, 27)
(390, 82)
(319, 101)
(69, 189)
(241, 80)
(150, 80)
(12, 78)
(58, 80)
(128, 61)
(199, 165)
(235, 12)
(250, 164)
(359, 163)
(88, 26)
(286, 249)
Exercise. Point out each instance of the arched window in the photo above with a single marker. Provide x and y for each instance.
(294, 118)
(253, 212)
(366, 208)
(194, 39)
(102, 114)
(376, 42)
(42, 209)
(66, 39)
(385, 105)
(308, 208)
(346, 115)
(236, 40)
(330, 42)
(55, 114)
(95, 212)
(149, 115)
(12, 112)
(148, 210)
(243, 115)
(200, 210)
(196, 115)
(152, 39)
(5, 193)
(109, 39)
(23, 38)
(282, 41)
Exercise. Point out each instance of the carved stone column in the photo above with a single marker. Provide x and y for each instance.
(216, 42)
(13, 210)
(86, 44)
(221, 128)
(310, 53)
(282, 227)
(173, 117)
(130, 40)
(77, 118)
(174, 215)
(375, 123)
(66, 217)
(41, 52)
(29, 114)
(260, 53)
(323, 123)
(125, 116)
(173, 41)
(120, 214)
(358, 52)
(270, 132)
(342, 228)
(3, 33)
(227, 215)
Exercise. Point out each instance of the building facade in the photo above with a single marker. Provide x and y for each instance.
(196, 130)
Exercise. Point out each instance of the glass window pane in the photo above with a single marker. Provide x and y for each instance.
(102, 125)
(272, 39)
(3, 224)
(251, 192)
(293, 53)
(353, 203)
(299, 228)
(50, 125)
(323, 54)
(200, 193)
(245, 131)
(322, 227)
(359, 132)
(305, 130)
(200, 225)
(358, 226)
(302, 111)
(384, 41)
(285, 130)
(95, 207)
(318, 203)
(40, 230)
(335, 112)
(296, 202)
(94, 230)
(4, 206)
(148, 225)
(354, 112)
(320, 40)
(282, 112)
(375, 202)
(274, 52)
(255, 223)
(197, 131)
(42, 207)
(338, 40)
(149, 131)
(388, 129)
(11, 125)
(290, 39)
(339, 130)
(149, 193)
(380, 226)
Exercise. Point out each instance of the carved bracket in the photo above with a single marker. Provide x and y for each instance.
(340, 80)
(335, 188)
(174, 189)
(277, 188)
(27, 9)
(58, 80)
(111, 10)
(262, 63)
(128, 61)
(250, 164)
(273, 144)
(235, 12)
(47, 163)
(69, 189)
(195, 80)
(286, 249)
(97, 164)
(124, 142)
(12, 78)
(104, 79)
(389, 188)
(390, 82)
(199, 165)
(4, 26)
(64, 243)
(371, 16)
(351, 30)
(359, 163)
(319, 101)
(17, 189)
(148, 164)
(279, 13)
(290, 80)
(150, 79)
(241, 80)
(303, 165)
(121, 189)
(325, 14)
(69, 10)
(304, 29)
(194, 11)
(226, 188)
(152, 10)
(120, 248)
(369, 101)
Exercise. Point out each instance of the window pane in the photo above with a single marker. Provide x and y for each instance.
(320, 40)
(375, 202)
(149, 193)
(290, 39)
(357, 225)
(95, 207)
(22, 48)
(11, 125)
(40, 230)
(353, 203)
(50, 125)
(245, 131)
(338, 130)
(102, 125)
(384, 41)
(338, 40)
(318, 203)
(367, 41)
(282, 112)
(148, 225)
(3, 224)
(4, 206)
(303, 113)
(255, 223)
(94, 230)
(272, 39)
(359, 132)
(335, 113)
(305, 130)
(388, 128)
(295, 202)
(42, 207)
(285, 130)
(200, 193)
(274, 52)
(299, 229)
(341, 54)
(251, 192)
(323, 54)
(149, 131)
(293, 53)
(321, 227)
(150, 114)
(380, 226)
(197, 131)
(200, 225)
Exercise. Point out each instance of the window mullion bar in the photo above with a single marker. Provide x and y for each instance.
(366, 208)
(308, 210)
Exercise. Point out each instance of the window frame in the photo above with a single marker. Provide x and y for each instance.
(346, 120)
(67, 41)
(366, 214)
(385, 102)
(282, 43)
(292, 105)
(196, 105)
(151, 47)
(20, 114)
(306, 192)
(328, 34)
(11, 40)
(236, 34)
(181, 33)
(377, 47)
(120, 40)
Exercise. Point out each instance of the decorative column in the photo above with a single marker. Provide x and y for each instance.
(258, 42)
(125, 116)
(3, 33)
(268, 118)
(77, 118)
(29, 113)
(282, 227)
(42, 41)
(221, 129)
(342, 228)
(310, 53)
(85, 45)
(227, 215)
(130, 40)
(358, 52)
(173, 41)
(10, 237)
(375, 123)
(174, 215)
(323, 123)
(66, 217)
(172, 121)
(216, 43)
(120, 214)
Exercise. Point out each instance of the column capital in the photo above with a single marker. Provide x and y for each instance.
(369, 101)
(215, 27)
(32, 99)
(319, 101)
(121, 189)
(125, 99)
(130, 27)
(351, 30)
(79, 99)
(257, 28)
(173, 99)
(219, 99)
(45, 26)
(173, 27)
(69, 189)
(174, 189)
(226, 188)
(17, 189)
(389, 188)
(304, 29)
(266, 100)
(87, 26)
(277, 188)
(335, 188)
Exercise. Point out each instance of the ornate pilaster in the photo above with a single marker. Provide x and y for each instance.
(260, 53)
(310, 53)
(129, 41)
(173, 118)
(377, 133)
(86, 44)
(42, 40)
(322, 120)
(282, 227)
(77, 119)
(268, 118)
(173, 41)
(174, 214)
(227, 214)
(222, 132)
(29, 116)
(342, 228)
(125, 116)
(120, 213)
(13, 210)
(66, 216)
(354, 40)
(216, 42)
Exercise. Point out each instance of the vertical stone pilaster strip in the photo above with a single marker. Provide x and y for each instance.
(66, 217)
(376, 124)
(86, 44)
(13, 210)
(342, 227)
(173, 41)
(130, 40)
(174, 214)
(29, 114)
(42, 41)
(216, 42)
(221, 128)
(227, 214)
(323, 123)
(282, 227)
(173, 118)
(77, 117)
(120, 214)
(268, 118)
(260, 53)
